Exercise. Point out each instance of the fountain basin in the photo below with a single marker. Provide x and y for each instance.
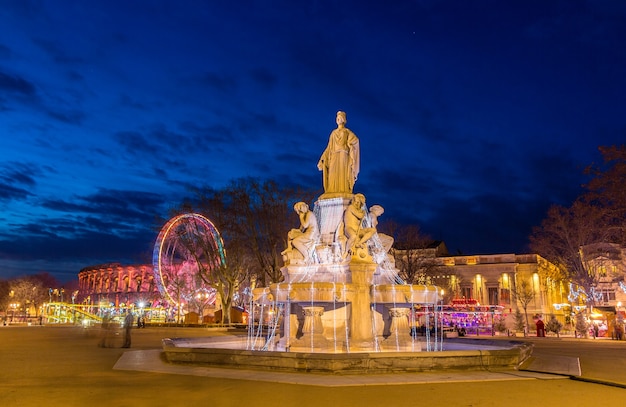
(317, 291)
(465, 354)
(405, 294)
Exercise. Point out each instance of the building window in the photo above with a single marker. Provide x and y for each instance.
(608, 295)
(493, 295)
(467, 292)
(505, 296)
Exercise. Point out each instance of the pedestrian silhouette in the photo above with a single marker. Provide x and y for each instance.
(128, 325)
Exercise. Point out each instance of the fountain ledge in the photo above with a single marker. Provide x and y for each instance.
(484, 355)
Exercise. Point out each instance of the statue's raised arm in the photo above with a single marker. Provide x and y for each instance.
(340, 161)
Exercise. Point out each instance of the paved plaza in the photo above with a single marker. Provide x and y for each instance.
(62, 365)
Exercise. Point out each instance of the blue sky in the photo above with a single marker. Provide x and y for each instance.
(474, 117)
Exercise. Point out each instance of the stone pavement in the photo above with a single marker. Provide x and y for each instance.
(52, 365)
(150, 361)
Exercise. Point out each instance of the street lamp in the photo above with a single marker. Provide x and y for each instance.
(14, 306)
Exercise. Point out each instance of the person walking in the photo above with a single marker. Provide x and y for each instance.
(128, 325)
(541, 330)
(104, 333)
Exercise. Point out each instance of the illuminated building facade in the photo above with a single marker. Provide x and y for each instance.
(495, 279)
(119, 285)
(606, 265)
(490, 285)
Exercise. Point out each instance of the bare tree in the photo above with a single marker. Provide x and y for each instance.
(42, 282)
(524, 293)
(254, 216)
(204, 258)
(177, 287)
(416, 257)
(607, 190)
(569, 237)
(5, 299)
(28, 292)
(564, 234)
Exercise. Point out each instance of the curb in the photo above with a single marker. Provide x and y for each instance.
(597, 381)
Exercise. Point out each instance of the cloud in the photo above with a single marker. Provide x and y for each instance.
(124, 206)
(161, 144)
(9, 192)
(221, 83)
(12, 84)
(128, 101)
(555, 176)
(59, 107)
(264, 77)
(57, 52)
(17, 181)
(109, 225)
(484, 224)
(19, 173)
(136, 143)
(472, 122)
(5, 52)
(74, 117)
(87, 248)
(208, 134)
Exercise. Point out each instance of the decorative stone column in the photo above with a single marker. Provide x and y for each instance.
(313, 321)
(400, 338)
(362, 334)
(313, 338)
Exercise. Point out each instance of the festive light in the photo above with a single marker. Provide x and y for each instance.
(165, 243)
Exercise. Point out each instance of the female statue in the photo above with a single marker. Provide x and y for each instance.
(340, 161)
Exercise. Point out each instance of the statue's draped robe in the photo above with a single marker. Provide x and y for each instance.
(341, 161)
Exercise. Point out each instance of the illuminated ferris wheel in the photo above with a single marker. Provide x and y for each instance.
(188, 247)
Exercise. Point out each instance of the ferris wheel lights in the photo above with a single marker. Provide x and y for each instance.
(176, 262)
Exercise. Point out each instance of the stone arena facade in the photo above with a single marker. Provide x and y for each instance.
(118, 284)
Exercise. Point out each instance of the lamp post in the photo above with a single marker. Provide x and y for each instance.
(13, 306)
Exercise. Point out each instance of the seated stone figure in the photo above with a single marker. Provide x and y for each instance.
(353, 224)
(359, 227)
(385, 240)
(304, 239)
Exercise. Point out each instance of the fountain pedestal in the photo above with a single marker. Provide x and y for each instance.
(331, 210)
(362, 337)
(400, 338)
(312, 331)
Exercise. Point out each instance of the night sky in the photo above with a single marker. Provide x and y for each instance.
(474, 116)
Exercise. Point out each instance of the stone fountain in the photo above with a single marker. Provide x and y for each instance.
(341, 291)
(342, 306)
